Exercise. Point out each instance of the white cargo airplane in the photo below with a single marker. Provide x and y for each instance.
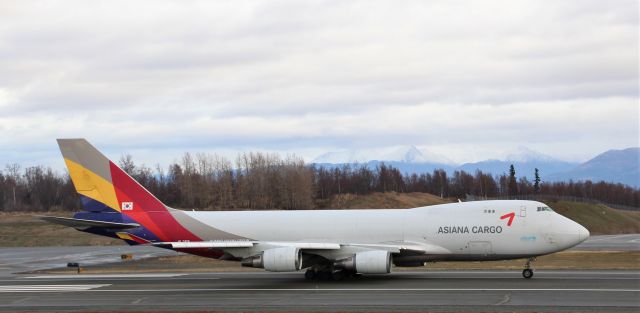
(328, 243)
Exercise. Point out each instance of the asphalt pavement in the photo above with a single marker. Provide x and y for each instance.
(439, 291)
(14, 260)
(627, 242)
(486, 291)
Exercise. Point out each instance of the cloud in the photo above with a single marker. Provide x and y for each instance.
(292, 76)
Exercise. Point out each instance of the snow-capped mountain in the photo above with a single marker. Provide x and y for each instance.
(405, 154)
(618, 166)
(525, 161)
(525, 168)
(524, 154)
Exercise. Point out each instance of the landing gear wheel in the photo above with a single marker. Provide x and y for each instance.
(324, 275)
(310, 274)
(351, 274)
(528, 272)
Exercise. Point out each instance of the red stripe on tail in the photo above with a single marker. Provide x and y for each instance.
(147, 209)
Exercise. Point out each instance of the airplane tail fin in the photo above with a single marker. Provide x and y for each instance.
(92, 175)
(109, 194)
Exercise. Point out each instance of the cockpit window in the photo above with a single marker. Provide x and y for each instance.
(544, 208)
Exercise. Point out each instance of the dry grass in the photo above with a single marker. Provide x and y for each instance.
(599, 219)
(378, 200)
(23, 230)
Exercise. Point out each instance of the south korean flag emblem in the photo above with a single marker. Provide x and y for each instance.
(127, 206)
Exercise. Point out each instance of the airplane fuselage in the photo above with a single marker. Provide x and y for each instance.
(463, 231)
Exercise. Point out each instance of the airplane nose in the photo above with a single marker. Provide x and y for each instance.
(583, 233)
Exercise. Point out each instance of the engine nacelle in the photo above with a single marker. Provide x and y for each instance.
(286, 259)
(368, 262)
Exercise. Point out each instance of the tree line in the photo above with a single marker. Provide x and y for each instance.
(460, 184)
(263, 181)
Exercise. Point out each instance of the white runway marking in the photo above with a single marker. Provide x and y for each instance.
(438, 271)
(48, 288)
(80, 276)
(370, 289)
(609, 237)
(542, 271)
(512, 278)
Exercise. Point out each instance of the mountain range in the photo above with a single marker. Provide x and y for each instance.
(403, 154)
(617, 166)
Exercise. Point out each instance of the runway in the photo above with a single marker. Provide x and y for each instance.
(486, 291)
(438, 291)
(626, 242)
(34, 258)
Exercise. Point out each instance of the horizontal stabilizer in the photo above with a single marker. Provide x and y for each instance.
(131, 238)
(83, 224)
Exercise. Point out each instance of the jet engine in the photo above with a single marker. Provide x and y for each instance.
(286, 259)
(368, 262)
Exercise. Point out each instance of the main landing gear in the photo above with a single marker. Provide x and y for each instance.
(528, 271)
(310, 274)
(326, 274)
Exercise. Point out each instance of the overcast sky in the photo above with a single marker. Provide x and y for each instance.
(465, 79)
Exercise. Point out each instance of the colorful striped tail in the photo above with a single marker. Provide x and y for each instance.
(109, 194)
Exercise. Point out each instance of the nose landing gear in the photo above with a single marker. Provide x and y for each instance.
(528, 272)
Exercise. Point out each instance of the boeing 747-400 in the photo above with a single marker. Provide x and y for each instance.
(327, 243)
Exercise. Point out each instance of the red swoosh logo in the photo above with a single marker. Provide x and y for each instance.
(510, 216)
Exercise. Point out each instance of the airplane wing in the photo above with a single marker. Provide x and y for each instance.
(83, 224)
(221, 244)
(398, 248)
(216, 244)
(406, 247)
(403, 248)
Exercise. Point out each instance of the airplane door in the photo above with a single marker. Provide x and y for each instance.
(482, 248)
(523, 211)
